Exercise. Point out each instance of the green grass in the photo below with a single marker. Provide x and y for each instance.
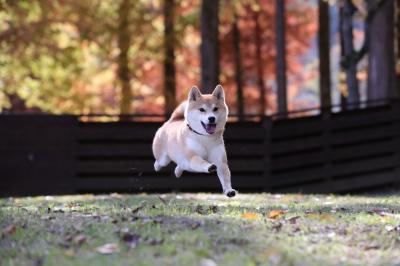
(198, 229)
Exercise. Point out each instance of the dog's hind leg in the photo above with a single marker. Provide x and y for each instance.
(161, 162)
(178, 171)
(160, 152)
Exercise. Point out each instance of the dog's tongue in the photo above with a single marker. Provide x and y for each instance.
(210, 128)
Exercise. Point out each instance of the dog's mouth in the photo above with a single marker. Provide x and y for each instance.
(209, 128)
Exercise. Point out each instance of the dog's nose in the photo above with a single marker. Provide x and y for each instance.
(211, 119)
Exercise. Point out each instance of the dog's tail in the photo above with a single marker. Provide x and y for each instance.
(179, 113)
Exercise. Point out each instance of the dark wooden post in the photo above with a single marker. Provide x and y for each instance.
(124, 42)
(281, 57)
(169, 57)
(267, 127)
(260, 79)
(381, 59)
(238, 68)
(209, 45)
(349, 60)
(324, 56)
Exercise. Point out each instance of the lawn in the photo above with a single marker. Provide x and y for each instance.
(200, 229)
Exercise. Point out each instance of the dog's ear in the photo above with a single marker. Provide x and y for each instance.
(194, 94)
(219, 92)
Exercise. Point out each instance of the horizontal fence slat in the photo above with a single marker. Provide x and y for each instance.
(296, 145)
(133, 150)
(146, 166)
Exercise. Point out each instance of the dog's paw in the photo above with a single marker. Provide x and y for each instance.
(230, 193)
(212, 169)
(157, 166)
(178, 171)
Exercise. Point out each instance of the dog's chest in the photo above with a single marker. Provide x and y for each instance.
(201, 148)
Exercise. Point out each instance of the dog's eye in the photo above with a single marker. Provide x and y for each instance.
(215, 109)
(202, 110)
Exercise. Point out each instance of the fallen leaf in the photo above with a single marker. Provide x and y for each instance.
(116, 196)
(162, 200)
(277, 227)
(207, 262)
(389, 228)
(108, 248)
(79, 239)
(214, 208)
(321, 217)
(293, 219)
(69, 253)
(132, 240)
(250, 215)
(137, 209)
(275, 214)
(372, 246)
(9, 230)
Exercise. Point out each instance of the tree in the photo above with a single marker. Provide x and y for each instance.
(209, 45)
(349, 61)
(124, 42)
(281, 57)
(238, 68)
(381, 60)
(169, 57)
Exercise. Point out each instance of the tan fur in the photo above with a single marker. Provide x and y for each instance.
(191, 151)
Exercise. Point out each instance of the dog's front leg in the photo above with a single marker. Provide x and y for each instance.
(218, 156)
(198, 164)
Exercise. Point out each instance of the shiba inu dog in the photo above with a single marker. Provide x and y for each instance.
(193, 137)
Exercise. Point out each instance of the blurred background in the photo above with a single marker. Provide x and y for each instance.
(125, 56)
(312, 86)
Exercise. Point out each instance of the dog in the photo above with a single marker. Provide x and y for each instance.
(193, 137)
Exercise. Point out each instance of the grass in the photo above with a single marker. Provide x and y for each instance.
(200, 229)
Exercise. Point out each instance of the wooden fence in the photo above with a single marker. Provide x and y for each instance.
(332, 152)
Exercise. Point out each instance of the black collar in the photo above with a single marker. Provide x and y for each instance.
(191, 129)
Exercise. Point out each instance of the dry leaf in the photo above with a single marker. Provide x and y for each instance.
(132, 240)
(138, 209)
(162, 200)
(69, 253)
(321, 217)
(79, 239)
(275, 214)
(9, 230)
(250, 215)
(108, 248)
(293, 219)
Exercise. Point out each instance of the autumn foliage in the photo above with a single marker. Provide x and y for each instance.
(61, 56)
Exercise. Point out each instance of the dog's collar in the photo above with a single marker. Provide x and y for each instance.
(194, 131)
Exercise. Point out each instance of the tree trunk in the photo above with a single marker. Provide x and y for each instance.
(169, 57)
(209, 45)
(124, 41)
(350, 64)
(324, 55)
(281, 57)
(259, 63)
(238, 68)
(397, 18)
(381, 60)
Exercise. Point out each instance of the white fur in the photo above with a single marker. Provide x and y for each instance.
(191, 151)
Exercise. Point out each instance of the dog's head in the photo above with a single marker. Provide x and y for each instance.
(207, 113)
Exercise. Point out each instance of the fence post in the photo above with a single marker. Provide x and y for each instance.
(396, 117)
(267, 127)
(326, 117)
(281, 58)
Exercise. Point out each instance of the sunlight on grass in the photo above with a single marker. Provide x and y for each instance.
(196, 229)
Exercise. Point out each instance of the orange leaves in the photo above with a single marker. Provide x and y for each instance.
(251, 216)
(275, 214)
